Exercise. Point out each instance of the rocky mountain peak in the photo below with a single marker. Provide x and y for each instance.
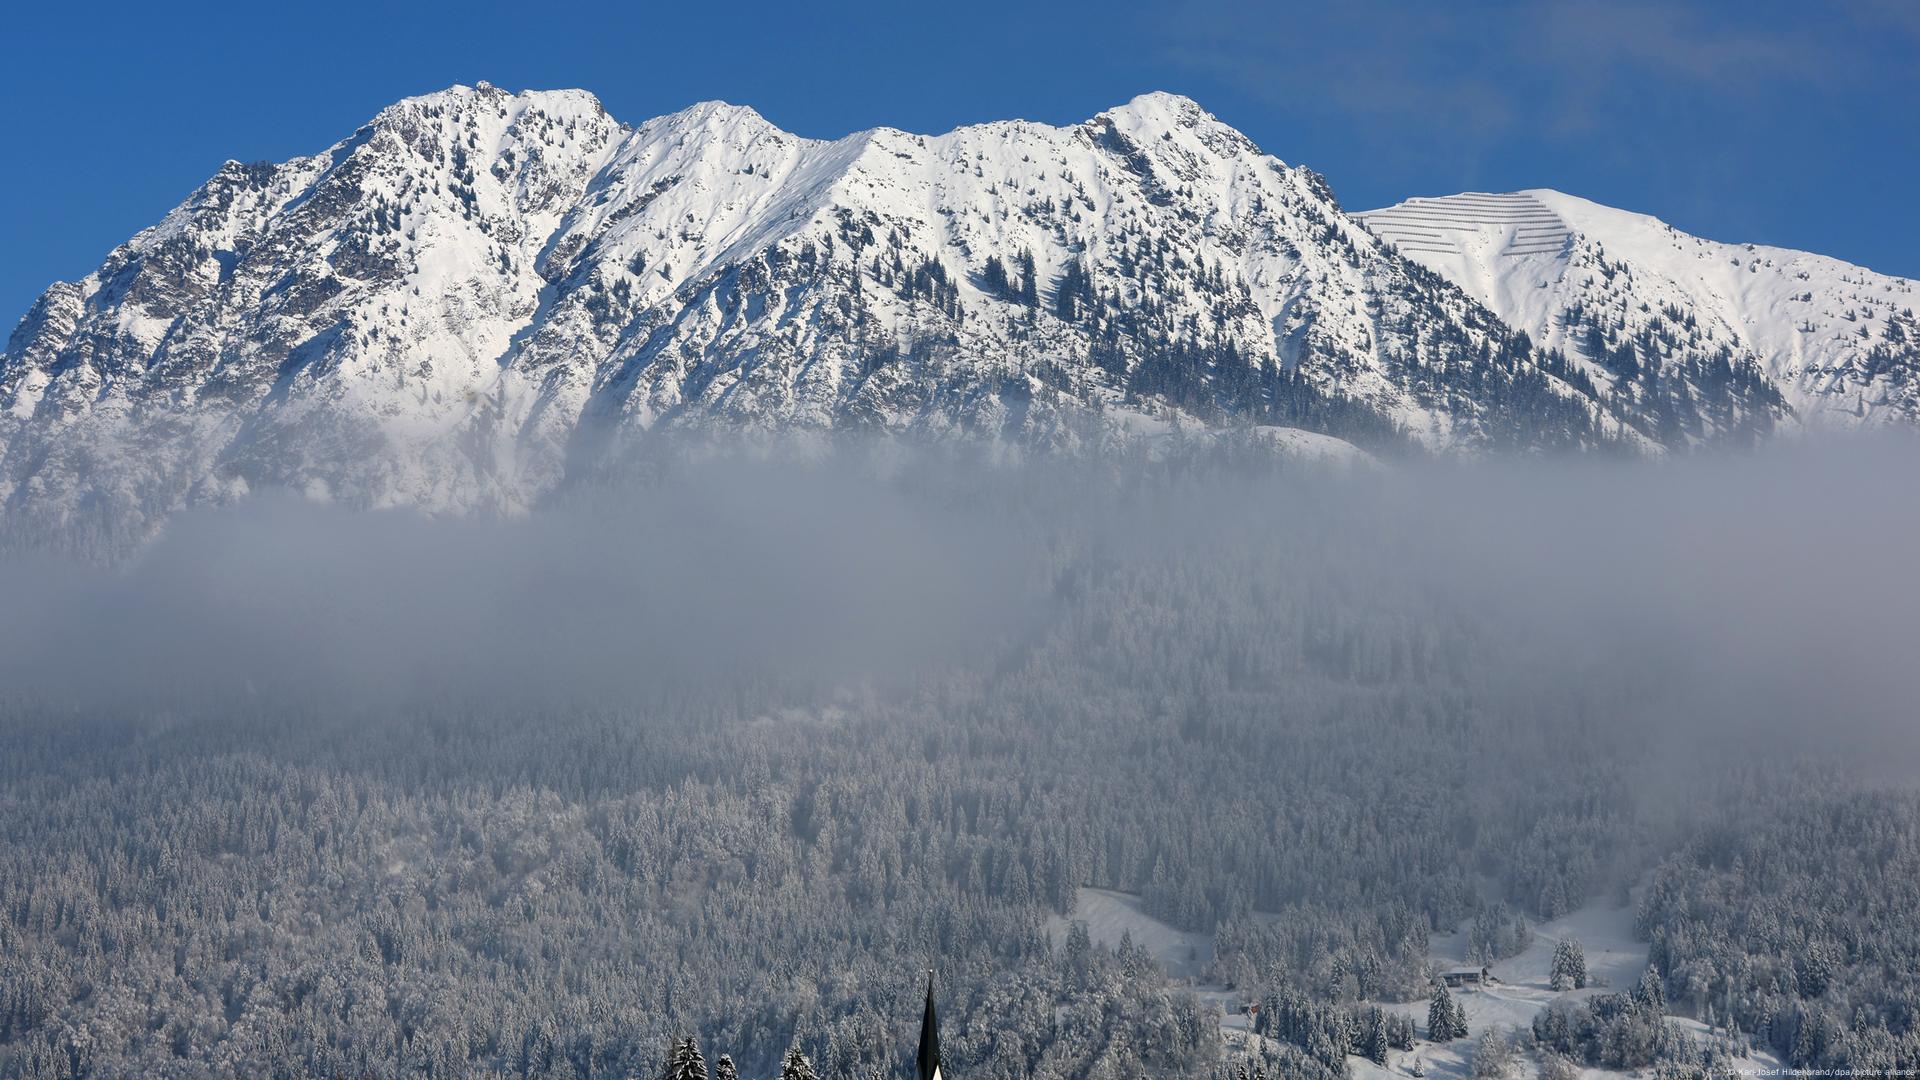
(481, 296)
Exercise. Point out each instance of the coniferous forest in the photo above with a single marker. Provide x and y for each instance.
(737, 757)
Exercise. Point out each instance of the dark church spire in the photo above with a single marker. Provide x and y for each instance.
(929, 1038)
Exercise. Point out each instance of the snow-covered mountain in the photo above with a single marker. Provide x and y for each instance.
(1651, 313)
(481, 296)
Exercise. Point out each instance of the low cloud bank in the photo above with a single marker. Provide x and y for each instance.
(1769, 601)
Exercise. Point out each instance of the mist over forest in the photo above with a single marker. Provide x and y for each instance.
(739, 753)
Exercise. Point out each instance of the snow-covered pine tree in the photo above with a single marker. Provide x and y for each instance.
(797, 1067)
(1815, 969)
(724, 1069)
(1569, 966)
(1651, 994)
(1440, 1016)
(1077, 956)
(1373, 1036)
(684, 1061)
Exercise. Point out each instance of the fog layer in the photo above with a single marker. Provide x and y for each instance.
(1766, 597)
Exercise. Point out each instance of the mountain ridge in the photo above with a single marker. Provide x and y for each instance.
(480, 296)
(1838, 341)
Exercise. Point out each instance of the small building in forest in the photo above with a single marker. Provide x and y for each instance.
(1466, 976)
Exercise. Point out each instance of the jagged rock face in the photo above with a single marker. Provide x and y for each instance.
(1703, 340)
(480, 296)
(325, 324)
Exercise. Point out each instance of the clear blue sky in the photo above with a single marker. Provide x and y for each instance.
(1793, 123)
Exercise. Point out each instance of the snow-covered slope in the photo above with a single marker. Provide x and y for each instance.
(1651, 311)
(481, 296)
